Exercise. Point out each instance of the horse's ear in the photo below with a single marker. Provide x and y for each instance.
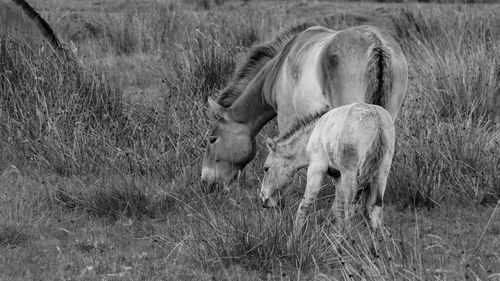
(215, 110)
(271, 144)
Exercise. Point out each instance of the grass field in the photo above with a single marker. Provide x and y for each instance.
(100, 152)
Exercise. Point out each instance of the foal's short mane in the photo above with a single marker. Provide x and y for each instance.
(301, 124)
(254, 62)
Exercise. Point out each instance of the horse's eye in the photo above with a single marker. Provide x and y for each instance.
(266, 169)
(212, 139)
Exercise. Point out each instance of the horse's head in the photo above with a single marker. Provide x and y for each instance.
(229, 149)
(278, 170)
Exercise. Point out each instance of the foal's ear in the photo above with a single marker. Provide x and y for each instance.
(271, 144)
(215, 109)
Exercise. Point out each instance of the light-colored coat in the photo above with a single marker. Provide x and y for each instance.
(357, 140)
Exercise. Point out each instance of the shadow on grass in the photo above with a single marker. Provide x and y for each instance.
(114, 199)
(13, 235)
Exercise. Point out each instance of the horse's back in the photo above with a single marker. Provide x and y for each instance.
(322, 67)
(360, 60)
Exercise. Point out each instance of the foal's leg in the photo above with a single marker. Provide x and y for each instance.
(374, 205)
(315, 174)
(349, 187)
(338, 204)
(375, 201)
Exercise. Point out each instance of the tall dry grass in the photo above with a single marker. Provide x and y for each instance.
(54, 113)
(448, 136)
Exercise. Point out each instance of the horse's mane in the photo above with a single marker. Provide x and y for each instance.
(301, 124)
(255, 60)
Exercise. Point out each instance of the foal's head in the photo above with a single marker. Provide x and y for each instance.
(280, 166)
(286, 156)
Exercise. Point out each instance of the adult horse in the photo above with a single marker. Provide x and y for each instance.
(305, 69)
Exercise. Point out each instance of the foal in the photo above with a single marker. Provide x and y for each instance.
(356, 140)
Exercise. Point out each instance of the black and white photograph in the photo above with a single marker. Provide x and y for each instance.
(273, 140)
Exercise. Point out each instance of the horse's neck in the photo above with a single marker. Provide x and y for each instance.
(252, 108)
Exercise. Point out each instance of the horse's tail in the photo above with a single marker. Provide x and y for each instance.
(372, 162)
(379, 74)
(42, 25)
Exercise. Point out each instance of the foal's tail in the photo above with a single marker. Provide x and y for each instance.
(372, 162)
(379, 74)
